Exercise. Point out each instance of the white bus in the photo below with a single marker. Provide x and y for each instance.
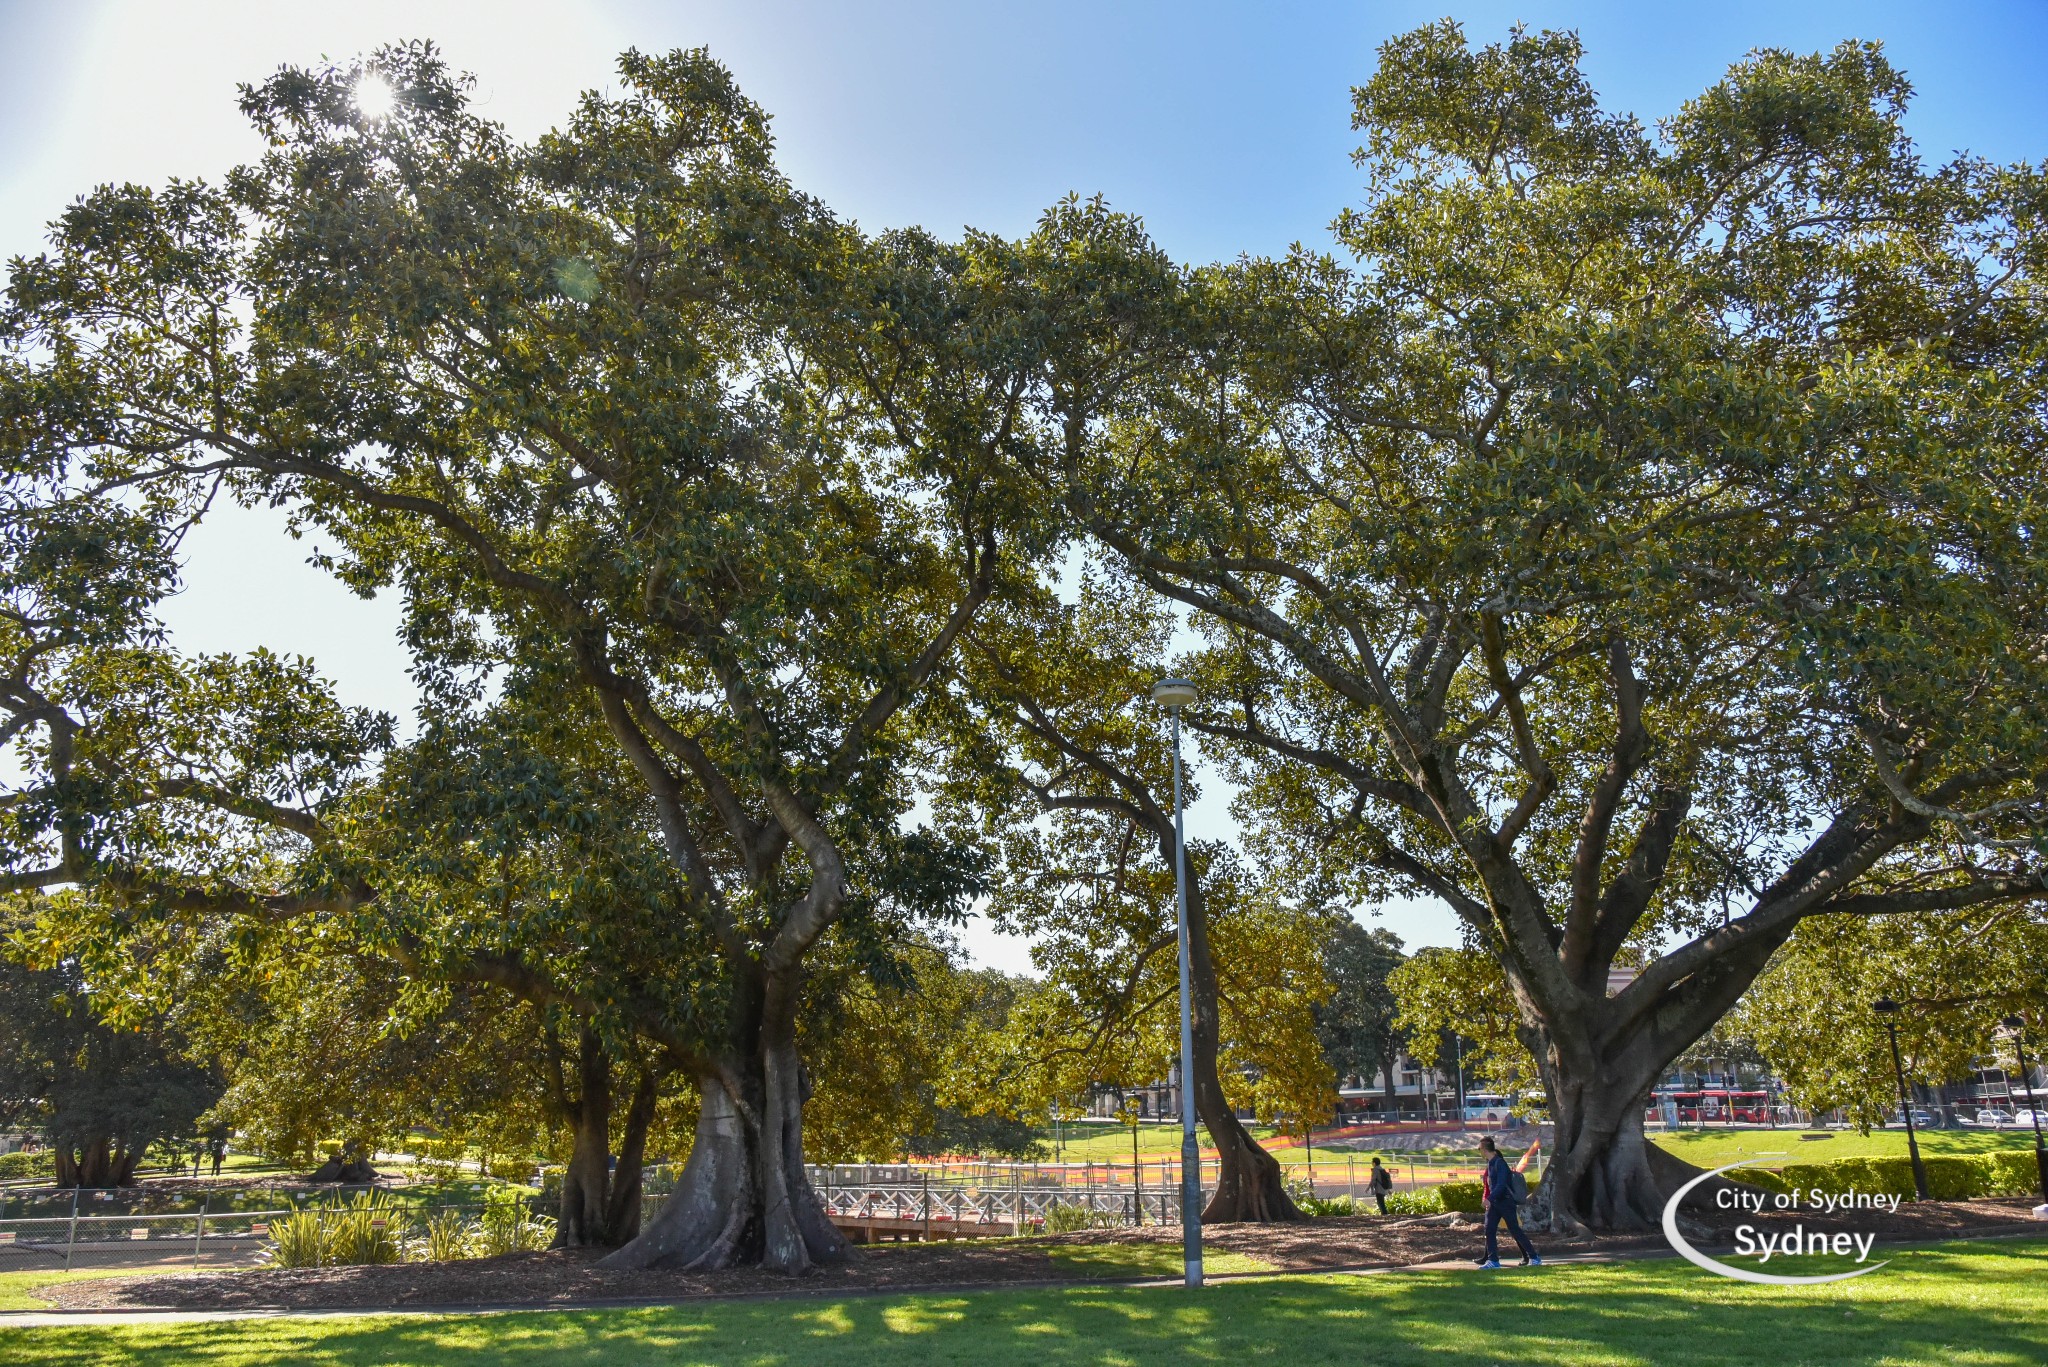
(1487, 1108)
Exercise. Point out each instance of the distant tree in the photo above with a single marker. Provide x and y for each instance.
(1444, 994)
(1059, 760)
(1810, 1015)
(898, 1049)
(100, 1095)
(1357, 1024)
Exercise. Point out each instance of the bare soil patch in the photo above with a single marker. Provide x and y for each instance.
(570, 1277)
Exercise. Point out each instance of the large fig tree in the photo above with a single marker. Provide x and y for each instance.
(622, 407)
(1637, 546)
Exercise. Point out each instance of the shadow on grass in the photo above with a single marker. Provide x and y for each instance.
(1949, 1305)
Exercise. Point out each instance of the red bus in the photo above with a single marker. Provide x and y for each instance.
(1711, 1106)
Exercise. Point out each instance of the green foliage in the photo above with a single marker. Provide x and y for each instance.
(297, 1240)
(1424, 1201)
(444, 1236)
(1949, 1177)
(371, 1230)
(510, 1228)
(1439, 993)
(2011, 1174)
(1766, 1178)
(101, 1094)
(1463, 1196)
(1957, 1179)
(17, 1165)
(901, 1063)
(1357, 1024)
(1955, 975)
(1060, 764)
(1068, 1217)
(1316, 1207)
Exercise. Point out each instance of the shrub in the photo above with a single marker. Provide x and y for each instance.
(518, 1170)
(298, 1240)
(1886, 1177)
(445, 1237)
(1428, 1201)
(1831, 1178)
(511, 1229)
(1762, 1178)
(2011, 1173)
(1949, 1178)
(1062, 1217)
(1956, 1179)
(1463, 1196)
(15, 1166)
(369, 1232)
(1314, 1206)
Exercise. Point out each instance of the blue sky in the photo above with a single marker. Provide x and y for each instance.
(1226, 126)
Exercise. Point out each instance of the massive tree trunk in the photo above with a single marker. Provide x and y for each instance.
(1599, 1174)
(95, 1164)
(1249, 1184)
(744, 1197)
(1601, 1057)
(601, 1207)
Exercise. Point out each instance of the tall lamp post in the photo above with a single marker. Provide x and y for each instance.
(1889, 1009)
(2017, 1024)
(1173, 695)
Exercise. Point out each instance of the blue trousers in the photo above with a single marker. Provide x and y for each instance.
(1496, 1216)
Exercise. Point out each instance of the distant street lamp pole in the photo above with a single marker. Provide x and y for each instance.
(1458, 1043)
(2017, 1024)
(1173, 695)
(1889, 1010)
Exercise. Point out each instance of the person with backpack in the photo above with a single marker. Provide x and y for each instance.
(1501, 1189)
(1381, 1183)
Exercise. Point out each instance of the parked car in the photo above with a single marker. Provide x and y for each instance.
(1925, 1120)
(1991, 1118)
(2029, 1119)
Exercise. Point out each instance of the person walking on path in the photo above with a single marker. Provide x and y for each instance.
(1381, 1183)
(1501, 1189)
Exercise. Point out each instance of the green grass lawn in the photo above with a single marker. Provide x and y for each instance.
(1712, 1148)
(1706, 1149)
(1112, 1144)
(1976, 1306)
(15, 1286)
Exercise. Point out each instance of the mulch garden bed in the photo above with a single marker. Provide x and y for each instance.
(567, 1277)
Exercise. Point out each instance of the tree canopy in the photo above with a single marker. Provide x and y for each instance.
(1634, 546)
(1631, 538)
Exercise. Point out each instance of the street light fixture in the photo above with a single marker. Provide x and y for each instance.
(1173, 695)
(1889, 1010)
(2017, 1024)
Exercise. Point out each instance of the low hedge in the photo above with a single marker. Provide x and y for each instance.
(1949, 1177)
(1460, 1196)
(19, 1165)
(1465, 1195)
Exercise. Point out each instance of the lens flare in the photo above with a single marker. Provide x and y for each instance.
(375, 97)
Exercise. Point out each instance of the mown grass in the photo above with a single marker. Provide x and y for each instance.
(1112, 1144)
(1712, 1148)
(1977, 1306)
(16, 1287)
